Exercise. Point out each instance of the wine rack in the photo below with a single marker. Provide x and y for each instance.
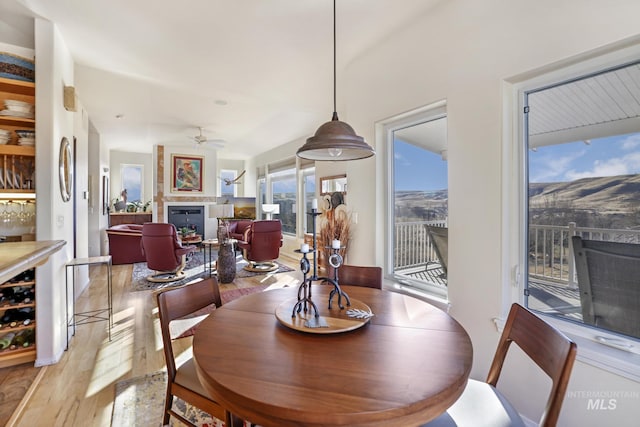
(17, 318)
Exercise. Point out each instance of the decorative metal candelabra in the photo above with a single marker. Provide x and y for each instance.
(304, 291)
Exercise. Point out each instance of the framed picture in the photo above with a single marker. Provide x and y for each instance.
(186, 173)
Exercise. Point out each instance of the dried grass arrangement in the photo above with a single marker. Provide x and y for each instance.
(335, 224)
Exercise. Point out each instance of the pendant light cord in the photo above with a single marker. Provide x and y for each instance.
(335, 110)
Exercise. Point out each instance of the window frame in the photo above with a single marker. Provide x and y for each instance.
(124, 166)
(421, 115)
(282, 175)
(221, 184)
(304, 174)
(596, 347)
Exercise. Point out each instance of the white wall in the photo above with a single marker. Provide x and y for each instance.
(98, 222)
(54, 70)
(461, 52)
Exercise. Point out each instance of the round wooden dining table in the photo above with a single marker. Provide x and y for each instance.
(405, 366)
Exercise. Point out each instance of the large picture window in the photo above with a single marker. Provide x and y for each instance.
(418, 229)
(283, 193)
(582, 149)
(132, 178)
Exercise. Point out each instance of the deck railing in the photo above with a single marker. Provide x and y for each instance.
(412, 244)
(550, 251)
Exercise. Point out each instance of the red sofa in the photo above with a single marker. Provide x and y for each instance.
(124, 244)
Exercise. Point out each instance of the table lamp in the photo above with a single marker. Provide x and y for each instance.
(222, 212)
(270, 209)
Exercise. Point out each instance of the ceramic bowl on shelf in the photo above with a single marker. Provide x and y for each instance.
(26, 133)
(19, 106)
(27, 141)
(12, 113)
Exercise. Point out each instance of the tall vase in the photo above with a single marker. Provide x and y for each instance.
(226, 263)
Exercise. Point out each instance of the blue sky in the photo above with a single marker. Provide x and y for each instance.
(417, 169)
(615, 155)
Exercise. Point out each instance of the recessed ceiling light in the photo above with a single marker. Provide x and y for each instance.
(221, 102)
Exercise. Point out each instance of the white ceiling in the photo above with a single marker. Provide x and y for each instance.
(167, 66)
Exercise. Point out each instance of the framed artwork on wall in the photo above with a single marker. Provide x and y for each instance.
(186, 173)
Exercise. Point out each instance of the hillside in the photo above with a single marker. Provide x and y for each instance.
(421, 205)
(607, 202)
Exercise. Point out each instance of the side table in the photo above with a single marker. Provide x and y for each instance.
(208, 246)
(102, 314)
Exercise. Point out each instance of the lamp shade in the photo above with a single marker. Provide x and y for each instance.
(335, 140)
(221, 211)
(271, 208)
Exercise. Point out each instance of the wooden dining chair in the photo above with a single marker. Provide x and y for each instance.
(183, 383)
(481, 404)
(355, 275)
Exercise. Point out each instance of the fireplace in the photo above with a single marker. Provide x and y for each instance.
(191, 217)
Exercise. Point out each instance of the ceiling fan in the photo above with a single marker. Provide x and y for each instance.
(202, 141)
(229, 181)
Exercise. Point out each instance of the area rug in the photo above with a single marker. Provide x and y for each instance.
(194, 270)
(139, 401)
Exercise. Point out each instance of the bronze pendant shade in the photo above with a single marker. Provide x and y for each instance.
(335, 140)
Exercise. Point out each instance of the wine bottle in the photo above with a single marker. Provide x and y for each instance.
(28, 296)
(24, 338)
(6, 340)
(9, 316)
(25, 313)
(6, 295)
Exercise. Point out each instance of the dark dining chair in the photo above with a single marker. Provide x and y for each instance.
(183, 382)
(439, 237)
(608, 282)
(482, 405)
(355, 275)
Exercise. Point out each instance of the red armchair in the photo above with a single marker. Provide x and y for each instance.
(124, 243)
(164, 251)
(238, 227)
(261, 245)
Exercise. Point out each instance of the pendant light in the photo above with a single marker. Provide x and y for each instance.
(335, 140)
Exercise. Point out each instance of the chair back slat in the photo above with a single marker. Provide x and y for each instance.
(355, 275)
(549, 348)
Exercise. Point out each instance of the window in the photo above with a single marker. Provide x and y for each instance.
(227, 190)
(283, 192)
(309, 192)
(132, 179)
(418, 202)
(582, 156)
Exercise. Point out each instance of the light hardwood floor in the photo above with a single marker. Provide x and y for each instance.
(79, 390)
